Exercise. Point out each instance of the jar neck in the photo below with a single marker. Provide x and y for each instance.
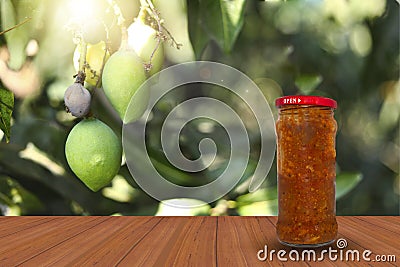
(295, 109)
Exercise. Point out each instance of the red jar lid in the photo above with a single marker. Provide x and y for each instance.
(305, 100)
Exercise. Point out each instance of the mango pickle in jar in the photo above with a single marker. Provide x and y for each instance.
(306, 162)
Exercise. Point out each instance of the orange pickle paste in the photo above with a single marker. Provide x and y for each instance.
(306, 158)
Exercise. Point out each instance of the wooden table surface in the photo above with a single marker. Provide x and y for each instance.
(179, 241)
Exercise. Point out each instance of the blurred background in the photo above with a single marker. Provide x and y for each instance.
(344, 49)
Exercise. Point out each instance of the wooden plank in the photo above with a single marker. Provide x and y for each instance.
(395, 220)
(384, 240)
(273, 219)
(368, 238)
(66, 253)
(241, 238)
(390, 223)
(30, 234)
(228, 244)
(11, 225)
(20, 246)
(117, 244)
(176, 241)
(198, 245)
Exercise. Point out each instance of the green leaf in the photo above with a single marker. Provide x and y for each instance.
(308, 83)
(261, 202)
(264, 194)
(198, 36)
(345, 182)
(6, 108)
(223, 20)
(220, 20)
(16, 39)
(262, 208)
(18, 198)
(46, 136)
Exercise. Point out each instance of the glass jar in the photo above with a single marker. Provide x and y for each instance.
(306, 161)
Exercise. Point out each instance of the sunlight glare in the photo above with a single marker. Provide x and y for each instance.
(82, 9)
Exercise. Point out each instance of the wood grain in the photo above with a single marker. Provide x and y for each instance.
(115, 246)
(10, 226)
(22, 245)
(177, 241)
